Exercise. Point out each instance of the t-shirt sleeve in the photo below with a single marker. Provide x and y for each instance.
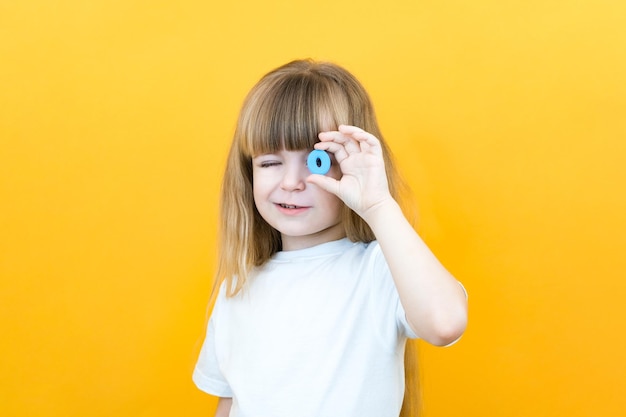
(385, 298)
(207, 375)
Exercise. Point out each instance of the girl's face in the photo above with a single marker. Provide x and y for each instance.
(304, 214)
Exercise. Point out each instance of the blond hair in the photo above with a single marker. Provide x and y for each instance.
(287, 109)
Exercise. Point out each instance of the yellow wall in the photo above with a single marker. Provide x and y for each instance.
(509, 120)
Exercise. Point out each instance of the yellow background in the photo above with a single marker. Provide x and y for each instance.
(508, 119)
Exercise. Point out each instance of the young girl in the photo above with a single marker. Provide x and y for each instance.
(322, 277)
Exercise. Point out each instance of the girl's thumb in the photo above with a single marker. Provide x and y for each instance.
(328, 184)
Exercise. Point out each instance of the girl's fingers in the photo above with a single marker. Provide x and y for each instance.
(350, 144)
(354, 139)
(326, 183)
(364, 138)
(336, 149)
(347, 129)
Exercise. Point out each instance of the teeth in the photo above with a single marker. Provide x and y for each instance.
(288, 206)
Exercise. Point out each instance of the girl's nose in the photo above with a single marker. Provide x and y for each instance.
(294, 177)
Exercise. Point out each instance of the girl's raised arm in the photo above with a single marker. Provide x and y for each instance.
(434, 302)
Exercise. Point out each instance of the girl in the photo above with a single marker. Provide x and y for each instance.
(322, 278)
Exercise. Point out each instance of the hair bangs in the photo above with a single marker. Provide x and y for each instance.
(289, 115)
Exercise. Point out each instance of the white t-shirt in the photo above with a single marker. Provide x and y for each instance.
(319, 332)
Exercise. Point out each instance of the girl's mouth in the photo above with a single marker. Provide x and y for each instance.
(291, 209)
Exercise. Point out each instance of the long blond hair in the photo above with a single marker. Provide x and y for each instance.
(287, 109)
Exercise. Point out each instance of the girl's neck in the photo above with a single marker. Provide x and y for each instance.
(330, 234)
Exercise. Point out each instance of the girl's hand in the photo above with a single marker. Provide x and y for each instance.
(363, 185)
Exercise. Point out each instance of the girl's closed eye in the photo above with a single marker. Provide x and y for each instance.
(267, 164)
(266, 161)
